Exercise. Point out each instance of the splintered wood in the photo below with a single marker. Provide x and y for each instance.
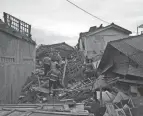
(74, 66)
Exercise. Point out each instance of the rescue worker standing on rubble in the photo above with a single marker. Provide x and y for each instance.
(55, 75)
(47, 64)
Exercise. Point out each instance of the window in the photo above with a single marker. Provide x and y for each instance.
(7, 59)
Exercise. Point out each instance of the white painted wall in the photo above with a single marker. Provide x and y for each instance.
(94, 45)
(97, 42)
(111, 35)
(17, 61)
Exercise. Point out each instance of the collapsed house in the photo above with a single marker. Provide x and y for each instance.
(64, 50)
(123, 58)
(80, 91)
(17, 57)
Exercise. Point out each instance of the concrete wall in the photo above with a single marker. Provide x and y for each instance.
(17, 61)
(96, 43)
(111, 35)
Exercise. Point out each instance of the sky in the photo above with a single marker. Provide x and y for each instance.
(55, 21)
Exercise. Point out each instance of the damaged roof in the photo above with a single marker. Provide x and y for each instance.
(59, 44)
(94, 29)
(131, 47)
(112, 25)
(64, 49)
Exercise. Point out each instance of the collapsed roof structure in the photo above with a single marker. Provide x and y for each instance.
(63, 48)
(124, 56)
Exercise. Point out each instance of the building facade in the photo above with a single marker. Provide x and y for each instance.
(93, 42)
(17, 59)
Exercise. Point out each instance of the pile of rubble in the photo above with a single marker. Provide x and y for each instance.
(28, 95)
(97, 95)
(114, 102)
(36, 90)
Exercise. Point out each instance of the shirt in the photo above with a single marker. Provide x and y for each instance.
(53, 65)
(55, 74)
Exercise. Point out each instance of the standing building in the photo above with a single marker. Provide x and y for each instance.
(93, 42)
(17, 57)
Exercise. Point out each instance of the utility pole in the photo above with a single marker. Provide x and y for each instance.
(137, 30)
(140, 26)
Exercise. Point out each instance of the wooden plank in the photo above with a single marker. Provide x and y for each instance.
(27, 111)
(64, 72)
(101, 96)
(9, 113)
(131, 81)
(28, 85)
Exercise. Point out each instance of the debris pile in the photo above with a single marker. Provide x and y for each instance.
(86, 92)
(64, 49)
(99, 95)
(35, 90)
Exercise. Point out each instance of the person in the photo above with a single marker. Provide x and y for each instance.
(47, 64)
(94, 104)
(98, 111)
(54, 80)
(59, 58)
(53, 64)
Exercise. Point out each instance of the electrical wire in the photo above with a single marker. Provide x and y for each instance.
(88, 12)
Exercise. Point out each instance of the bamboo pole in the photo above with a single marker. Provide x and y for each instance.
(64, 71)
(100, 96)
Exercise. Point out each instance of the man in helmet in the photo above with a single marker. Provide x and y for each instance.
(47, 64)
(55, 76)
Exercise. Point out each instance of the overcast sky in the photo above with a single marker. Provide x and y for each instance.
(56, 21)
